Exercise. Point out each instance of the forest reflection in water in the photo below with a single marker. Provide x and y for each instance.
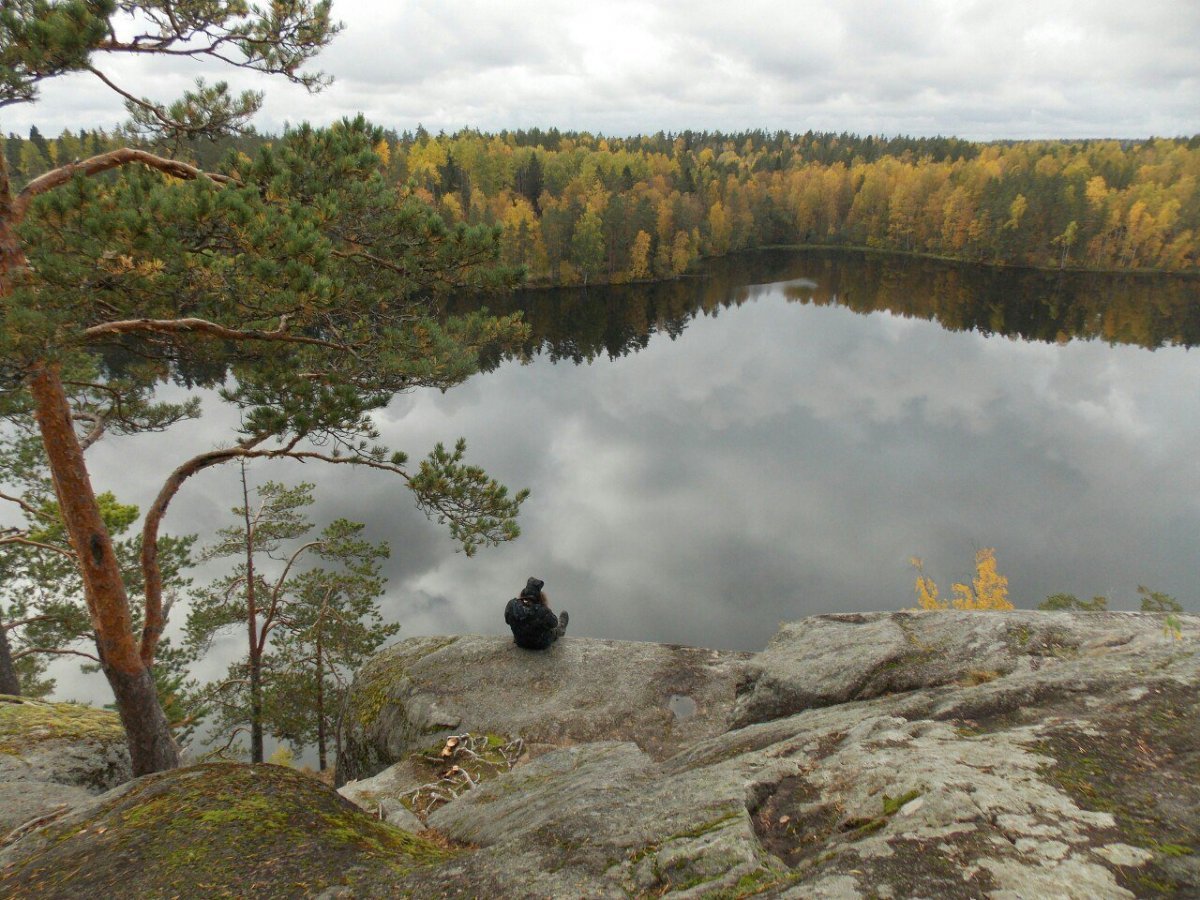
(1145, 310)
(774, 439)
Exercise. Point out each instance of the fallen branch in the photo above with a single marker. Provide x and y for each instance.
(35, 823)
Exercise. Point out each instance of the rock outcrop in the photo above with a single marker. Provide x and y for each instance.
(922, 754)
(913, 754)
(55, 757)
(420, 691)
(215, 830)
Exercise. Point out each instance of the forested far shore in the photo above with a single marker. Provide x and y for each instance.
(577, 208)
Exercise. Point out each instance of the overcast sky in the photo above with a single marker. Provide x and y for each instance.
(978, 69)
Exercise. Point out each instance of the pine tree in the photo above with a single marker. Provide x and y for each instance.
(306, 625)
(334, 626)
(40, 613)
(297, 282)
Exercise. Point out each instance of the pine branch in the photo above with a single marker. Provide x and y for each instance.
(50, 651)
(99, 424)
(25, 507)
(137, 101)
(28, 542)
(103, 162)
(269, 617)
(9, 626)
(208, 329)
(155, 618)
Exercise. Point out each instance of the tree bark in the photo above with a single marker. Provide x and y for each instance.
(151, 746)
(254, 660)
(9, 683)
(11, 259)
(320, 706)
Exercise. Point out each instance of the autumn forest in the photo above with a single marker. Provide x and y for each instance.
(576, 208)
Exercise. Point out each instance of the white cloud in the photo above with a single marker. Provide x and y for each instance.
(973, 69)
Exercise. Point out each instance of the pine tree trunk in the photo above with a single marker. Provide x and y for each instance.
(11, 260)
(9, 683)
(147, 731)
(254, 658)
(12, 257)
(151, 745)
(320, 707)
(256, 709)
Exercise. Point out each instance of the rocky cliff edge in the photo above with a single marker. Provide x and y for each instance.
(910, 754)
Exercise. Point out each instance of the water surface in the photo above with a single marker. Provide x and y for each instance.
(710, 457)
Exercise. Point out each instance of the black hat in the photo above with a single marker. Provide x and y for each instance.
(533, 587)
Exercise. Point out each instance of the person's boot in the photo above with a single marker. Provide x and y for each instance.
(563, 618)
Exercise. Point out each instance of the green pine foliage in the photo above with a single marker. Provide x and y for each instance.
(297, 279)
(1071, 602)
(41, 612)
(1150, 601)
(1157, 601)
(307, 608)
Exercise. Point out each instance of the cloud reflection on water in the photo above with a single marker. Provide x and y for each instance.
(769, 460)
(780, 460)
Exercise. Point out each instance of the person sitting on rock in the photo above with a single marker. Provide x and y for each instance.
(534, 625)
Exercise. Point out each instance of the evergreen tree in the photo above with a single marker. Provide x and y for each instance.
(1071, 602)
(306, 627)
(298, 282)
(530, 180)
(333, 627)
(1157, 601)
(41, 616)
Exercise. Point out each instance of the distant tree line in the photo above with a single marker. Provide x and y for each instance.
(578, 208)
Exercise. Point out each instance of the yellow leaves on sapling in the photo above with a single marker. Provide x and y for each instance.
(988, 590)
(927, 590)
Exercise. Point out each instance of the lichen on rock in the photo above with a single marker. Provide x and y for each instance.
(55, 756)
(214, 830)
(940, 754)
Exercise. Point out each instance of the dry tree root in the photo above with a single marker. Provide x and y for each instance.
(461, 754)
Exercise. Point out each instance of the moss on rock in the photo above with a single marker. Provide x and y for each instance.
(215, 830)
(1145, 772)
(25, 722)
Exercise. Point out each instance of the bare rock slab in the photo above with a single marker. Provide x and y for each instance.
(660, 697)
(948, 755)
(955, 755)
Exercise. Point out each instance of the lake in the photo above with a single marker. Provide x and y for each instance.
(776, 438)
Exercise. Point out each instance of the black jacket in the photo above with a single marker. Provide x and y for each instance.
(534, 627)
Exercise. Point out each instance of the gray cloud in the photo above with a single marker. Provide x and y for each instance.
(974, 69)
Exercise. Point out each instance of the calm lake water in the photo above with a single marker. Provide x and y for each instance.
(711, 457)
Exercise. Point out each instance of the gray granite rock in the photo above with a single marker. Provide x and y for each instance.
(831, 659)
(381, 795)
(905, 755)
(422, 690)
(884, 755)
(62, 743)
(23, 802)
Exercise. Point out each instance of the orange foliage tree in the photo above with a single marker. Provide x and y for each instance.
(988, 590)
